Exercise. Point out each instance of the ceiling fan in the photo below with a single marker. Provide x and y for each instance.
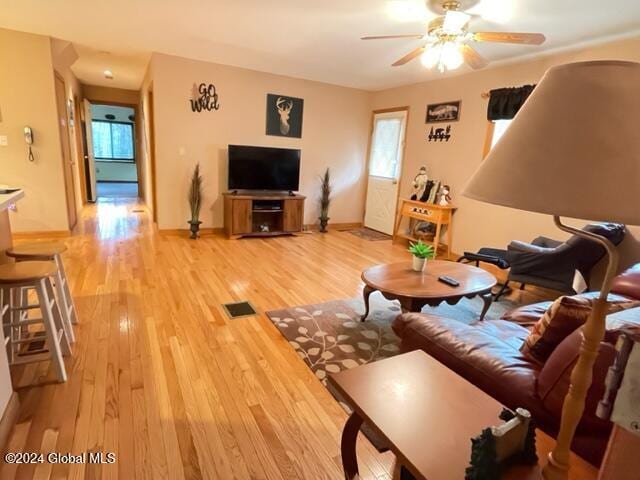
(448, 38)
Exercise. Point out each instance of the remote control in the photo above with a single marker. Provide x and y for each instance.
(449, 281)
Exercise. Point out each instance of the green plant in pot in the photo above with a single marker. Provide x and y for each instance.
(195, 201)
(325, 200)
(421, 252)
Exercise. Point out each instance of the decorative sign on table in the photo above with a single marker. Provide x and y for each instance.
(439, 134)
(284, 116)
(205, 98)
(443, 112)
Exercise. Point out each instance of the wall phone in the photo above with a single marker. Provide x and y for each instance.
(28, 138)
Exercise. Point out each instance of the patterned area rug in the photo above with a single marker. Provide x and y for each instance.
(329, 337)
(368, 234)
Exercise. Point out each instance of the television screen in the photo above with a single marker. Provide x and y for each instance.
(263, 168)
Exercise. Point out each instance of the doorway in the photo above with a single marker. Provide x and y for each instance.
(386, 152)
(111, 160)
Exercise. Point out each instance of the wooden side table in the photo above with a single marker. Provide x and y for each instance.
(427, 415)
(427, 212)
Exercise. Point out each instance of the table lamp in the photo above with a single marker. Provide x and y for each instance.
(573, 150)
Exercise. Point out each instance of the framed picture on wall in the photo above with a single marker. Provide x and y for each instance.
(443, 112)
(284, 116)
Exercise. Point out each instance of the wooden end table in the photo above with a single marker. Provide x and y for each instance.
(414, 290)
(427, 415)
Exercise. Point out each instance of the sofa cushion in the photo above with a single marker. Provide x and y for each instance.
(485, 353)
(563, 317)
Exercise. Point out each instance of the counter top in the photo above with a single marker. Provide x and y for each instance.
(7, 199)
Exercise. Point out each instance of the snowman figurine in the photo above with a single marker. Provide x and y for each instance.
(445, 198)
(420, 183)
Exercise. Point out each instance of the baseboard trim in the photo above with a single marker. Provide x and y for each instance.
(182, 231)
(38, 234)
(335, 226)
(8, 420)
(219, 230)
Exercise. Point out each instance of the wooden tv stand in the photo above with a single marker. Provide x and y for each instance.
(262, 214)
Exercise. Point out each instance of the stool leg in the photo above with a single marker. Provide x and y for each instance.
(69, 304)
(63, 303)
(52, 332)
(60, 321)
(5, 312)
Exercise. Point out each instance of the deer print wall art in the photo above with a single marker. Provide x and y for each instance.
(284, 116)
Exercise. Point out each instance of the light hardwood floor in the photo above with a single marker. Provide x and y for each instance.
(164, 379)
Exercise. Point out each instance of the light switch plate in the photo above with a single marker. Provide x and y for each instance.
(4, 141)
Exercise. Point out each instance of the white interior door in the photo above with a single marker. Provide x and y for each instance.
(385, 161)
(90, 160)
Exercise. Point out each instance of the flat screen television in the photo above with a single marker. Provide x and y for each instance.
(263, 168)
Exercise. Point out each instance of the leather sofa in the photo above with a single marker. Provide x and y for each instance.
(487, 354)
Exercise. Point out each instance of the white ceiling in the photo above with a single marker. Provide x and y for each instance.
(312, 39)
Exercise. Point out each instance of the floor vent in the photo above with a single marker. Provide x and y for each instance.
(239, 309)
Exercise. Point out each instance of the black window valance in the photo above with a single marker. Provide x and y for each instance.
(504, 103)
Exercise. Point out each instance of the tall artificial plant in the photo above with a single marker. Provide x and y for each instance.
(325, 200)
(195, 200)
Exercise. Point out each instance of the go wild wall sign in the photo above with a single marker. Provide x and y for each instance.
(204, 98)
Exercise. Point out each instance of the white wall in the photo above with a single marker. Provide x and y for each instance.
(116, 172)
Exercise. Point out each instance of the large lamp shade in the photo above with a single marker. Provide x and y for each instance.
(573, 149)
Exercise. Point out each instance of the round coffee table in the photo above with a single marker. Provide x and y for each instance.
(414, 290)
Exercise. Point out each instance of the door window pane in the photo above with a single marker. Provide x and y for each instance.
(385, 147)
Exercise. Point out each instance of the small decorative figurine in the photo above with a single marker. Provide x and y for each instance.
(511, 442)
(444, 197)
(419, 183)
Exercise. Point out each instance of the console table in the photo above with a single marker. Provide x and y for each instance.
(262, 215)
(441, 216)
(427, 415)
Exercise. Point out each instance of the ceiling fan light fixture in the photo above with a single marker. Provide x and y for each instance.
(443, 56)
(455, 22)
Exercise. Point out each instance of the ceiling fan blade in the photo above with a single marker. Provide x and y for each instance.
(473, 58)
(385, 37)
(409, 56)
(510, 37)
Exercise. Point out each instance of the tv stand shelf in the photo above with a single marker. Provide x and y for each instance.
(262, 214)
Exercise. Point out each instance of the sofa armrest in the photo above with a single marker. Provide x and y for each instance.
(628, 283)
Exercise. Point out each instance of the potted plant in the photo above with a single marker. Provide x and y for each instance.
(421, 252)
(325, 200)
(195, 201)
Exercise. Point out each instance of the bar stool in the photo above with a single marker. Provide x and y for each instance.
(51, 251)
(15, 280)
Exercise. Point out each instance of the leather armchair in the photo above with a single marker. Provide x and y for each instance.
(551, 264)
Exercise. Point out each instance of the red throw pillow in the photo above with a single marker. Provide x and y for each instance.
(561, 319)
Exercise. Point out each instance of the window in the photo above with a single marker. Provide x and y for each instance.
(499, 127)
(495, 131)
(112, 141)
